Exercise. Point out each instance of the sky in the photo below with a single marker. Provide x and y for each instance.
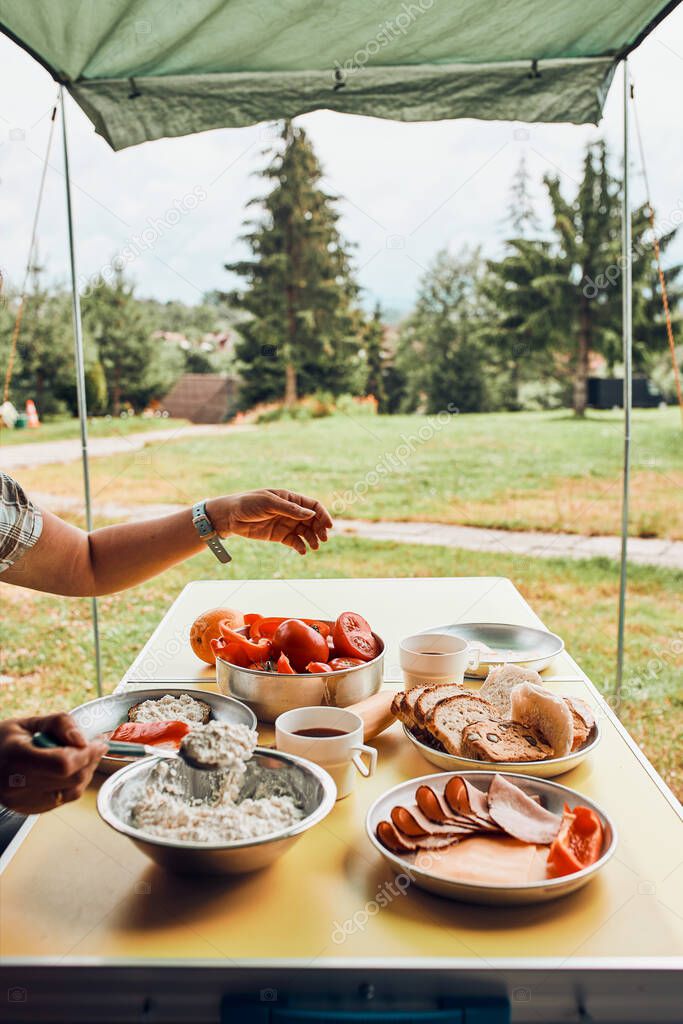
(408, 190)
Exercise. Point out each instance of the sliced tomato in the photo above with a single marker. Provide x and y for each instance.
(151, 733)
(337, 664)
(318, 666)
(353, 637)
(284, 666)
(578, 844)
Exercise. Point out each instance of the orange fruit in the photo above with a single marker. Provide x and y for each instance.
(205, 628)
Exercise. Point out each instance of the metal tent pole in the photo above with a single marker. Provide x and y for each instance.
(80, 376)
(627, 341)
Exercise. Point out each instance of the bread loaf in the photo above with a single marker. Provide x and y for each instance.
(490, 740)
(449, 717)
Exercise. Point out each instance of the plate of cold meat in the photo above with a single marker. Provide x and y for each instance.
(490, 837)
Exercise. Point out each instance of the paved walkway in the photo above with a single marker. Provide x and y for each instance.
(664, 553)
(41, 453)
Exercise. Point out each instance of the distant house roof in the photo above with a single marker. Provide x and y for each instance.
(202, 397)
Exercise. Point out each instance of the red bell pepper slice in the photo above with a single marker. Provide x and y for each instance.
(283, 666)
(151, 733)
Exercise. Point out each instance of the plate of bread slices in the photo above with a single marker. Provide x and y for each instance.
(512, 723)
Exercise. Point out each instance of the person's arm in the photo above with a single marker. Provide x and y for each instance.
(66, 560)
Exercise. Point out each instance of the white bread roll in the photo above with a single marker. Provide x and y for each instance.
(500, 682)
(535, 706)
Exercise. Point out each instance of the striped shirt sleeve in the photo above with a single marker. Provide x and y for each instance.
(21, 522)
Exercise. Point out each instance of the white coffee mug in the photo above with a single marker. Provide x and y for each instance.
(340, 752)
(436, 658)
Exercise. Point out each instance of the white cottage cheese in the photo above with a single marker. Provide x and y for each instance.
(164, 807)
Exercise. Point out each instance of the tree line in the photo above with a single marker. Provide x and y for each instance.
(135, 349)
(508, 333)
(484, 334)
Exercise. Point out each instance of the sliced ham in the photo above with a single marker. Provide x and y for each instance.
(399, 842)
(389, 836)
(464, 798)
(519, 815)
(413, 823)
(434, 808)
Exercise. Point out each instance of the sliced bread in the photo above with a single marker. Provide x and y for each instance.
(583, 718)
(449, 717)
(404, 703)
(490, 740)
(500, 682)
(545, 711)
(430, 697)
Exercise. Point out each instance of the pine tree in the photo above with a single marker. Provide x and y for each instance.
(560, 298)
(302, 330)
(521, 213)
(373, 344)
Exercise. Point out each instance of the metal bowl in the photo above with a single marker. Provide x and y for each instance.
(269, 694)
(548, 769)
(311, 785)
(105, 713)
(552, 795)
(509, 644)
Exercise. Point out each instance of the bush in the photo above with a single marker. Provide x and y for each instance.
(310, 407)
(537, 395)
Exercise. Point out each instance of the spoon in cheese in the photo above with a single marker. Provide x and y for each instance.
(118, 748)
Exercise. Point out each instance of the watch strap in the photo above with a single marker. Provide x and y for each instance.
(205, 529)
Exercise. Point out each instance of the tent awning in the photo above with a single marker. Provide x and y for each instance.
(152, 68)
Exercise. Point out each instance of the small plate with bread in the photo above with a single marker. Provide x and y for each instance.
(512, 724)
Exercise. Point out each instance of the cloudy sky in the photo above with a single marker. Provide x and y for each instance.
(409, 189)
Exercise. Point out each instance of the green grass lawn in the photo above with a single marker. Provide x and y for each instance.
(64, 429)
(47, 653)
(544, 471)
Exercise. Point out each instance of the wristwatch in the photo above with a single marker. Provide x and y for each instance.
(206, 531)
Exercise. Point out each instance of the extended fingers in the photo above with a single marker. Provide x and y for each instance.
(322, 521)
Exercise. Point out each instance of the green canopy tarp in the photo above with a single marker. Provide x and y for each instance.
(145, 69)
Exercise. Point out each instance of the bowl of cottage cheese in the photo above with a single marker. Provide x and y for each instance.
(236, 818)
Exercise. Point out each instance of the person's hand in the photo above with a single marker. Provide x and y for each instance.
(33, 779)
(281, 516)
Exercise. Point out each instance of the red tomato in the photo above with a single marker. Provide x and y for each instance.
(284, 666)
(578, 843)
(268, 626)
(301, 643)
(337, 664)
(151, 733)
(318, 666)
(353, 637)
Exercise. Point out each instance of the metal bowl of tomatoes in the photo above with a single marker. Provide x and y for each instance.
(297, 671)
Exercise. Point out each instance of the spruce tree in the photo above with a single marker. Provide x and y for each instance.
(373, 344)
(521, 213)
(301, 333)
